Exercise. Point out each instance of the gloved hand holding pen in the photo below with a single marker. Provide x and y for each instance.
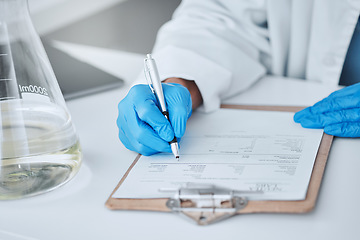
(142, 126)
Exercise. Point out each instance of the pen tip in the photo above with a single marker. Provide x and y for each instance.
(177, 158)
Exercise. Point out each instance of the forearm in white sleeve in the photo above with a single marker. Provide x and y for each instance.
(215, 43)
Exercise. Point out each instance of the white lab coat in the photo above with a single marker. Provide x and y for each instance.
(226, 45)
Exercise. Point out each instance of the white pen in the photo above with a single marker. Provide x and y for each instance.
(152, 76)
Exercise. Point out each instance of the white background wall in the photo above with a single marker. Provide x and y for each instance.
(50, 15)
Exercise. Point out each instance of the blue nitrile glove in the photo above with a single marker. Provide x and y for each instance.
(142, 126)
(338, 114)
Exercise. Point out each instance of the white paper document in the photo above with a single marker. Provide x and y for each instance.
(236, 149)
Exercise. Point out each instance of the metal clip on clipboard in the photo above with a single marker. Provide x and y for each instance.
(206, 203)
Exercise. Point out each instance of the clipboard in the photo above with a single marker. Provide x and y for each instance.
(207, 204)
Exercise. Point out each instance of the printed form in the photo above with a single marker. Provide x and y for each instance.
(243, 150)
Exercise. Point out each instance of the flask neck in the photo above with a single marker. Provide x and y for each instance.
(13, 10)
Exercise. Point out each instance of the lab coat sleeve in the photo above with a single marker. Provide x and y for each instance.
(218, 44)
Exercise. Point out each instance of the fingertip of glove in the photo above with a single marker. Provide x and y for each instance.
(309, 123)
(166, 133)
(332, 130)
(297, 117)
(301, 114)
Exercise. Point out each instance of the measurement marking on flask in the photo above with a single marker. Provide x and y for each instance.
(3, 54)
(33, 89)
(5, 79)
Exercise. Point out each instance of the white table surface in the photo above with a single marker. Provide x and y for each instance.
(77, 210)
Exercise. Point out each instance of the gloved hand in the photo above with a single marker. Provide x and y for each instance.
(142, 126)
(338, 114)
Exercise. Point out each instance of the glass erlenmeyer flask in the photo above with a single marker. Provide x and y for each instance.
(39, 148)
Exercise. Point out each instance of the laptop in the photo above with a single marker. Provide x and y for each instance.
(77, 78)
